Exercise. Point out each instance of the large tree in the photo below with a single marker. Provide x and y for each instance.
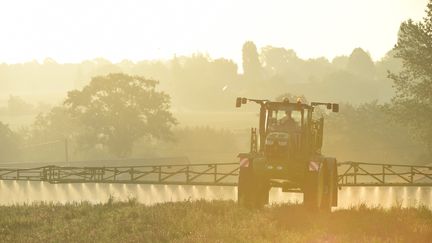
(412, 103)
(252, 68)
(116, 110)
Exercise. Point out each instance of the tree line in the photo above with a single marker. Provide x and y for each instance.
(200, 82)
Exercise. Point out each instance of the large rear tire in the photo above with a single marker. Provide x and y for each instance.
(320, 191)
(328, 187)
(253, 190)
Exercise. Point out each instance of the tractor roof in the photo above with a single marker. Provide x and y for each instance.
(286, 105)
(282, 105)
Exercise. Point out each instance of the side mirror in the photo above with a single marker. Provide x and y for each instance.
(335, 107)
(329, 106)
(238, 102)
(244, 100)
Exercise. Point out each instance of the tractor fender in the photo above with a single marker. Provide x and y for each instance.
(315, 163)
(256, 165)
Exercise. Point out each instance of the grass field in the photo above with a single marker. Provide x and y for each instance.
(201, 221)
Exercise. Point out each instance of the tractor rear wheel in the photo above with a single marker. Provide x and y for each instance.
(253, 190)
(320, 190)
(329, 197)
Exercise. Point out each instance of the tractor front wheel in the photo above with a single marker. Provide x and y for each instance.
(313, 190)
(253, 190)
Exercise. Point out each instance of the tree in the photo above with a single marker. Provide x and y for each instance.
(367, 127)
(340, 62)
(388, 63)
(252, 68)
(360, 63)
(17, 106)
(412, 104)
(9, 144)
(57, 124)
(116, 110)
(46, 138)
(282, 64)
(211, 81)
(277, 59)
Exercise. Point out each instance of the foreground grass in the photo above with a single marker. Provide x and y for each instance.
(200, 221)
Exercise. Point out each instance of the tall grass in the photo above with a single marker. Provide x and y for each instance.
(201, 221)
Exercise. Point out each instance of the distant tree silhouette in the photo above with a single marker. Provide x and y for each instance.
(361, 63)
(9, 143)
(214, 82)
(210, 80)
(57, 124)
(17, 106)
(252, 68)
(278, 60)
(340, 62)
(352, 129)
(389, 63)
(317, 68)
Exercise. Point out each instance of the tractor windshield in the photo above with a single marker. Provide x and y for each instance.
(285, 120)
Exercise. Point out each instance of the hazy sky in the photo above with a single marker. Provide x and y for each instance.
(70, 31)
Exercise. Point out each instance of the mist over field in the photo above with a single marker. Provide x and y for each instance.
(202, 92)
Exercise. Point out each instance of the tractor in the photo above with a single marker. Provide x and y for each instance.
(286, 153)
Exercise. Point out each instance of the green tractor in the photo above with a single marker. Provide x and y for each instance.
(286, 153)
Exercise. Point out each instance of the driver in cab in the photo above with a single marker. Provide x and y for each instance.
(285, 124)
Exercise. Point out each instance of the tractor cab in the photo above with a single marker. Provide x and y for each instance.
(286, 123)
(285, 119)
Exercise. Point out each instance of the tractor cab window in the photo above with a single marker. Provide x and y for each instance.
(287, 120)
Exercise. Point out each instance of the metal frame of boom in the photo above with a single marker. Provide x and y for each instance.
(374, 174)
(220, 174)
(216, 174)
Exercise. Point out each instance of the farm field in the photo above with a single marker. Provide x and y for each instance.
(203, 221)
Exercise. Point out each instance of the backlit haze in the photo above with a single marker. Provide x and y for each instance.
(72, 31)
